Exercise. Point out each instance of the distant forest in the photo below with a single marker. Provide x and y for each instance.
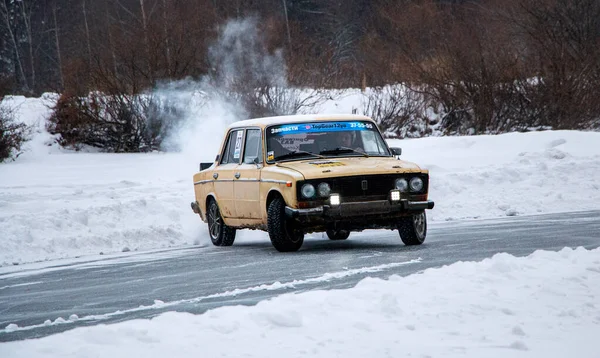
(482, 63)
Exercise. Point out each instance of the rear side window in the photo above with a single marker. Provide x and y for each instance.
(233, 149)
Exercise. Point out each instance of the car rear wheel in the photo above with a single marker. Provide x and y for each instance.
(220, 234)
(338, 234)
(413, 229)
(285, 233)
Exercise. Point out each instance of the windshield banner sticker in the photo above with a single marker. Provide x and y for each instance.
(320, 127)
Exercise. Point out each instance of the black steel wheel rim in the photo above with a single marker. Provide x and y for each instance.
(292, 231)
(214, 222)
(419, 222)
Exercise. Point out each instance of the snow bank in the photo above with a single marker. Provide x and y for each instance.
(33, 112)
(544, 305)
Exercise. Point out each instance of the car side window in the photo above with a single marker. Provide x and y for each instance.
(372, 144)
(233, 149)
(253, 147)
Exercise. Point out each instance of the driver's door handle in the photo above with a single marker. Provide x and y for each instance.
(237, 175)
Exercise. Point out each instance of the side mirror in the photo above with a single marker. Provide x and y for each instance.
(396, 151)
(205, 166)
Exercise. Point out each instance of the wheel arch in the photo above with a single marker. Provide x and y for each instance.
(273, 193)
(210, 197)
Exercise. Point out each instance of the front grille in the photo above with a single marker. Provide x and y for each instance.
(353, 188)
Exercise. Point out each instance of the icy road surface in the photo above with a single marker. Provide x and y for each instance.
(39, 301)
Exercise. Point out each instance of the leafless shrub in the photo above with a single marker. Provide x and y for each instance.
(272, 100)
(115, 123)
(69, 120)
(498, 65)
(561, 38)
(397, 109)
(12, 134)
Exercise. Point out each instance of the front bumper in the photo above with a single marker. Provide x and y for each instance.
(360, 209)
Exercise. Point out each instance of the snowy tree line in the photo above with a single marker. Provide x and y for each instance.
(478, 66)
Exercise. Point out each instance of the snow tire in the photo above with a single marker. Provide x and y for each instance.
(285, 234)
(220, 234)
(413, 229)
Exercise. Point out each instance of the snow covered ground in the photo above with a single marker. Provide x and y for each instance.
(546, 305)
(60, 204)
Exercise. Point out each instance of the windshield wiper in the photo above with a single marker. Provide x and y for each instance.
(341, 150)
(297, 153)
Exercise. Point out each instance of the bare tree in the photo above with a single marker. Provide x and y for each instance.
(146, 40)
(26, 9)
(166, 34)
(87, 32)
(8, 9)
(287, 22)
(111, 44)
(58, 55)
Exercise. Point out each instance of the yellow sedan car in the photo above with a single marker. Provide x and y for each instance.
(293, 175)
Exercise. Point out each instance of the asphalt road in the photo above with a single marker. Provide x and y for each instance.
(143, 285)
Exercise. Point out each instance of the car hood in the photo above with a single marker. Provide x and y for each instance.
(322, 168)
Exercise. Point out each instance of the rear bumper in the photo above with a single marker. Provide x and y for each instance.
(195, 207)
(360, 209)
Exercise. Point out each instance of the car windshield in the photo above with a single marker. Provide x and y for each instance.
(324, 139)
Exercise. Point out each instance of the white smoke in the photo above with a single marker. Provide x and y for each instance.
(238, 59)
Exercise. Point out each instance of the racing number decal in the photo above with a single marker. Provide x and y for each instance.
(238, 145)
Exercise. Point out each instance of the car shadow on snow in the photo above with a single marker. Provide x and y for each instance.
(316, 244)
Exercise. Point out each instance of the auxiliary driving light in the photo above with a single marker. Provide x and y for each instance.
(395, 195)
(334, 199)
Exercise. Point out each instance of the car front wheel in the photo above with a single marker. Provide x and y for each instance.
(413, 229)
(220, 234)
(284, 233)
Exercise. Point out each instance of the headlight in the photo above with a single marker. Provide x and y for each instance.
(308, 191)
(416, 184)
(324, 190)
(401, 184)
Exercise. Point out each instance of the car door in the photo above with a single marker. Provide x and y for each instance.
(247, 177)
(224, 173)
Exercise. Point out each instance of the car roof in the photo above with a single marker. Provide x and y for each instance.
(297, 118)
